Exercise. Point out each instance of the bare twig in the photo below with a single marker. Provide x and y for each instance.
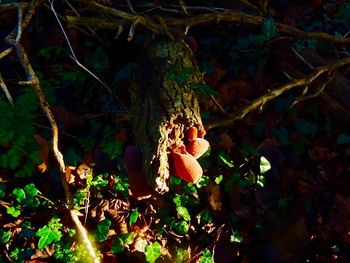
(74, 57)
(240, 114)
(33, 81)
(5, 90)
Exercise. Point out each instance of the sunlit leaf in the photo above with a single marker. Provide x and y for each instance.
(103, 229)
(206, 257)
(19, 194)
(4, 236)
(133, 216)
(152, 252)
(265, 165)
(14, 211)
(182, 227)
(218, 179)
(49, 233)
(183, 212)
(236, 237)
(223, 157)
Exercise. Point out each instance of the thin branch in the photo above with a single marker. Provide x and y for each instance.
(74, 57)
(243, 18)
(240, 114)
(5, 90)
(33, 81)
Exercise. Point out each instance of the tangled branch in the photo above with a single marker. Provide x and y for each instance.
(259, 102)
(33, 81)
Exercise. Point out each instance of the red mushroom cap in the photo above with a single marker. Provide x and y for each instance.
(198, 147)
(186, 166)
(192, 133)
(201, 133)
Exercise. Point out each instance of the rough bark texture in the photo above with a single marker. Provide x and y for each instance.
(164, 105)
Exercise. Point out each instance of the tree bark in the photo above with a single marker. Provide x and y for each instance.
(164, 105)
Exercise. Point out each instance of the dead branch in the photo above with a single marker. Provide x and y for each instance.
(256, 104)
(33, 81)
(208, 18)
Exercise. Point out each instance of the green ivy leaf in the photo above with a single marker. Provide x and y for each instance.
(19, 194)
(269, 28)
(183, 212)
(224, 158)
(133, 216)
(117, 246)
(99, 181)
(343, 138)
(206, 257)
(282, 135)
(31, 190)
(49, 233)
(203, 181)
(182, 227)
(175, 180)
(2, 190)
(218, 179)
(152, 252)
(14, 211)
(98, 60)
(4, 236)
(265, 165)
(103, 229)
(305, 127)
(236, 237)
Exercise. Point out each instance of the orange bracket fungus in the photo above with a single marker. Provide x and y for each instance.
(196, 146)
(185, 165)
(139, 187)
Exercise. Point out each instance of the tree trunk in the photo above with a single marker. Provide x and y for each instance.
(164, 105)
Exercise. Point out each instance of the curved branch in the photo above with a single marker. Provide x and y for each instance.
(229, 120)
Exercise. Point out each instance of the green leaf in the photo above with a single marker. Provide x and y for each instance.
(15, 211)
(112, 148)
(305, 127)
(128, 238)
(206, 257)
(183, 212)
(103, 229)
(152, 252)
(343, 138)
(4, 236)
(218, 179)
(49, 233)
(133, 216)
(177, 200)
(182, 227)
(19, 194)
(269, 28)
(261, 180)
(98, 60)
(2, 190)
(14, 254)
(27, 230)
(123, 73)
(31, 190)
(99, 181)
(265, 165)
(203, 181)
(224, 158)
(236, 237)
(175, 180)
(282, 135)
(117, 246)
